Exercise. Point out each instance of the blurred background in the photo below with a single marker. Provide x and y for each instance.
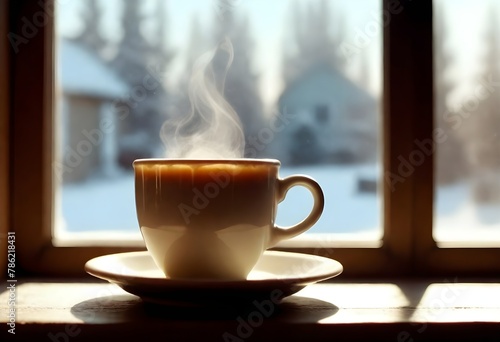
(306, 82)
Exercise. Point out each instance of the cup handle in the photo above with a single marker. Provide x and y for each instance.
(281, 233)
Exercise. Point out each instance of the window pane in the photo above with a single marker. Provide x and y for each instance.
(305, 82)
(467, 76)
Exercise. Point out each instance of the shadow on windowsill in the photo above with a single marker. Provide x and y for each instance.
(129, 308)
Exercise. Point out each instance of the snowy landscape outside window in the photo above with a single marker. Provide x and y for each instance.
(306, 82)
(467, 115)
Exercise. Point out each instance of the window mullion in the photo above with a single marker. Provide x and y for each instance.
(426, 137)
(407, 117)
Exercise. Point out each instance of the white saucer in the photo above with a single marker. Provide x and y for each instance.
(276, 273)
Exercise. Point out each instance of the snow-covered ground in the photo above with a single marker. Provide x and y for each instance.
(108, 205)
(457, 217)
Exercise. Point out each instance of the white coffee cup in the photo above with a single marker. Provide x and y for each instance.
(213, 219)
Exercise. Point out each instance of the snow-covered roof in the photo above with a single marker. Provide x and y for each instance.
(339, 85)
(82, 72)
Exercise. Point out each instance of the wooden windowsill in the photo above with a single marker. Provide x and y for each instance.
(401, 311)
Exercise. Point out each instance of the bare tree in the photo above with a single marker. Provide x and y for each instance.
(136, 60)
(196, 46)
(180, 102)
(241, 86)
(317, 33)
(485, 123)
(451, 161)
(91, 36)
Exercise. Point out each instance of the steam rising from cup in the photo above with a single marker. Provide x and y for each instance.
(212, 129)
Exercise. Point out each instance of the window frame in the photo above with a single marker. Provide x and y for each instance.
(4, 133)
(407, 247)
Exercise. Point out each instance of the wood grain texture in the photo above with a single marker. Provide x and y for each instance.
(403, 311)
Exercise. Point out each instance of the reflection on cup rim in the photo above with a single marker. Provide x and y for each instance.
(173, 161)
